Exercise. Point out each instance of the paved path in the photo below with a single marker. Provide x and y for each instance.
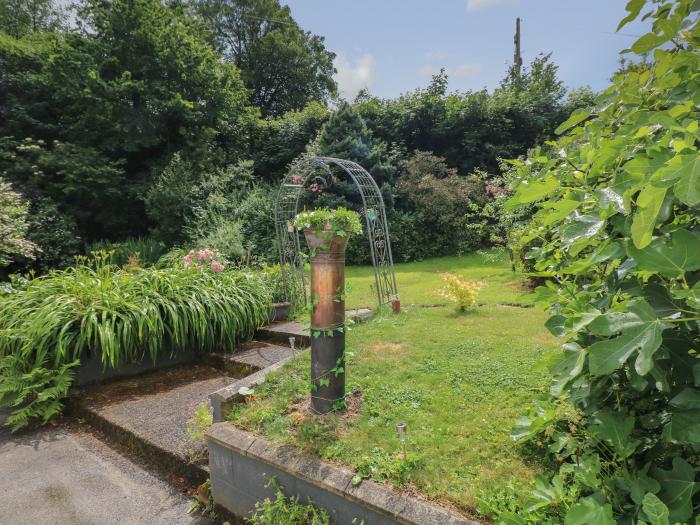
(65, 476)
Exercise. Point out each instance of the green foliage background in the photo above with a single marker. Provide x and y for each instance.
(616, 234)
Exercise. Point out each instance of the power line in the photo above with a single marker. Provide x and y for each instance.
(605, 32)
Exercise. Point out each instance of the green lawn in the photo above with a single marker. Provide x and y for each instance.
(418, 282)
(458, 380)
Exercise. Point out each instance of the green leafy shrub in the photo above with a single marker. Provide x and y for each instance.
(13, 226)
(54, 233)
(463, 292)
(617, 234)
(255, 212)
(281, 286)
(54, 320)
(287, 511)
(226, 237)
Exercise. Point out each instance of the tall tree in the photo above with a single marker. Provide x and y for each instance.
(346, 136)
(22, 17)
(284, 66)
(106, 107)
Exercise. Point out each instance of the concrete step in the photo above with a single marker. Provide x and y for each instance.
(280, 332)
(149, 415)
(249, 358)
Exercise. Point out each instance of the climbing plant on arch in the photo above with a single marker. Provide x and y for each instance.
(322, 172)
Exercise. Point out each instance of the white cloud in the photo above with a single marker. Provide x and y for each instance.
(351, 78)
(458, 71)
(465, 70)
(428, 71)
(473, 5)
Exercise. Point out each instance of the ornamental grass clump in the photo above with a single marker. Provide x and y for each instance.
(463, 292)
(56, 319)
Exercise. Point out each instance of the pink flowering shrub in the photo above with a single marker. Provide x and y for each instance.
(204, 258)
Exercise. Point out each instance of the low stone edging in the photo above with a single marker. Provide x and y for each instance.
(222, 400)
(241, 465)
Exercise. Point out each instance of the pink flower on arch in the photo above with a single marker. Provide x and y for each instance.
(216, 266)
(296, 179)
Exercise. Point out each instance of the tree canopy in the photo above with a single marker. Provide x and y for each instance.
(284, 66)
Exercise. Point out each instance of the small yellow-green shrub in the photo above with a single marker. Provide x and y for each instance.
(463, 292)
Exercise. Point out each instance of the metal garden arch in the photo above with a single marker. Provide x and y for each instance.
(322, 171)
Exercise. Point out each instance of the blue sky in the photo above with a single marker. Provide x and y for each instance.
(393, 46)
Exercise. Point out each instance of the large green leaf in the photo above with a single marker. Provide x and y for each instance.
(588, 511)
(640, 483)
(677, 489)
(684, 425)
(614, 428)
(649, 203)
(671, 259)
(567, 368)
(687, 189)
(680, 166)
(607, 356)
(557, 211)
(575, 119)
(532, 190)
(608, 251)
(655, 509)
(633, 8)
(648, 42)
(582, 226)
(641, 332)
(631, 314)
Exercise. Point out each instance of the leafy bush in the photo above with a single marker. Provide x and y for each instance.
(226, 237)
(123, 315)
(617, 233)
(13, 226)
(287, 511)
(255, 212)
(55, 234)
(282, 287)
(461, 291)
(451, 213)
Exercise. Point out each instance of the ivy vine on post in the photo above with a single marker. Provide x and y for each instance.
(327, 233)
(617, 237)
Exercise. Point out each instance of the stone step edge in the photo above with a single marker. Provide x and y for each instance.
(222, 399)
(163, 461)
(309, 475)
(301, 335)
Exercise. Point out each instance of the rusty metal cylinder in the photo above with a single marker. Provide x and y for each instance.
(327, 262)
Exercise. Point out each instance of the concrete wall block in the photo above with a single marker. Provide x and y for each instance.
(243, 464)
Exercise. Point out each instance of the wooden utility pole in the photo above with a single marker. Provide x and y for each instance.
(517, 58)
